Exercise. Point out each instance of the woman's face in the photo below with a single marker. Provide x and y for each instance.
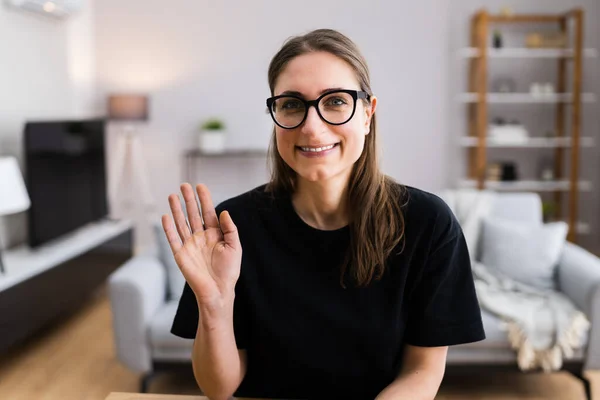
(309, 75)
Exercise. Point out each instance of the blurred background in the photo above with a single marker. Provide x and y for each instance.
(195, 61)
(161, 93)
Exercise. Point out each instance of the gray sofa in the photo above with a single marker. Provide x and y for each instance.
(144, 294)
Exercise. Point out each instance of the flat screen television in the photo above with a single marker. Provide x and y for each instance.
(65, 175)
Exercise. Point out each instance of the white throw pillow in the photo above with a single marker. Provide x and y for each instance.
(527, 253)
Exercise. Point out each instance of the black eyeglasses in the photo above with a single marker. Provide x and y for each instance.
(335, 107)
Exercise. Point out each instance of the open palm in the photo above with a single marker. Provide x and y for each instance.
(210, 254)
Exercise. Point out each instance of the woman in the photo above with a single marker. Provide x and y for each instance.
(349, 285)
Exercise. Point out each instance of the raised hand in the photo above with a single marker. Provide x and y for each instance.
(210, 254)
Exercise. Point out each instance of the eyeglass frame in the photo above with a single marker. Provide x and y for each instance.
(356, 95)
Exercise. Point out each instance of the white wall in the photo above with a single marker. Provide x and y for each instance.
(198, 59)
(81, 62)
(537, 118)
(46, 72)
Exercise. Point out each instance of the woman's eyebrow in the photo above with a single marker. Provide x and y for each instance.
(296, 93)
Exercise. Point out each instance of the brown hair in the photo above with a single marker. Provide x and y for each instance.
(374, 199)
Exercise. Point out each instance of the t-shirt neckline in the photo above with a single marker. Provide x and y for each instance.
(300, 224)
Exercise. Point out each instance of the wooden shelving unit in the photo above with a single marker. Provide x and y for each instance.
(524, 98)
(533, 142)
(525, 52)
(568, 99)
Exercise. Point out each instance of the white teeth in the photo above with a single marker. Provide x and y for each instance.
(318, 149)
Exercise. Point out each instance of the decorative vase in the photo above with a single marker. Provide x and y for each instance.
(509, 171)
(212, 141)
(497, 39)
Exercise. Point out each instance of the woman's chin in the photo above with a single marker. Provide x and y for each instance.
(316, 176)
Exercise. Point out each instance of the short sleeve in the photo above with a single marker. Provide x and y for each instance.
(444, 308)
(185, 323)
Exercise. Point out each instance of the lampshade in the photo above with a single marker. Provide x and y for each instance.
(129, 107)
(13, 193)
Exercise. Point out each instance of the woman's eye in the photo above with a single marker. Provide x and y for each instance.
(335, 101)
(291, 105)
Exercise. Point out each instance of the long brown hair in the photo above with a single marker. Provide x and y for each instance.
(375, 200)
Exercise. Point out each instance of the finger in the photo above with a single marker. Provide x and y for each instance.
(179, 217)
(171, 233)
(230, 232)
(208, 209)
(191, 206)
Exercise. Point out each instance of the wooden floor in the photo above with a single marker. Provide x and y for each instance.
(75, 359)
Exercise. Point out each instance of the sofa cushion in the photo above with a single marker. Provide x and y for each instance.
(165, 346)
(175, 278)
(522, 207)
(525, 252)
(495, 349)
(160, 328)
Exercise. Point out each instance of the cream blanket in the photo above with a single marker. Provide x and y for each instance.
(543, 326)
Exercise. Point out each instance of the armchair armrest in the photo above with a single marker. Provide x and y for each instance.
(579, 279)
(136, 291)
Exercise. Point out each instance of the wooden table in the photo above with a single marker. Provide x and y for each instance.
(146, 396)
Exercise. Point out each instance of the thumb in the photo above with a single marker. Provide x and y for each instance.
(230, 232)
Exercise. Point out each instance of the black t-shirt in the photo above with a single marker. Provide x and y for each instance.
(308, 337)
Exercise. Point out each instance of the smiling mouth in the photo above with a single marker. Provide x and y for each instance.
(317, 149)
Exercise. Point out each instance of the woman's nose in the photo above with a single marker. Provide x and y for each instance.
(313, 122)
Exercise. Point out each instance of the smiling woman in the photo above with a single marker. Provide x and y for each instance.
(350, 284)
(341, 117)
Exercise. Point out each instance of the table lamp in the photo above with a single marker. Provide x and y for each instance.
(13, 193)
(129, 109)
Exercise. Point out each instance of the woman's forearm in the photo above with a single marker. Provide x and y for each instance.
(417, 384)
(218, 366)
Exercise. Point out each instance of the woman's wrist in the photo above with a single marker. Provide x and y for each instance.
(216, 314)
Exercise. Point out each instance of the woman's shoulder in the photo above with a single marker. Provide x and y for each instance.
(428, 219)
(426, 206)
(248, 201)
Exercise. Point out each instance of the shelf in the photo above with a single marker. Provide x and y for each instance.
(526, 185)
(193, 156)
(524, 18)
(532, 142)
(524, 52)
(228, 153)
(520, 98)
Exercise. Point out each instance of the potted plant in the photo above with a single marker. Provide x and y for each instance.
(212, 136)
(548, 211)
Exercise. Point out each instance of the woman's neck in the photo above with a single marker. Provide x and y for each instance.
(322, 205)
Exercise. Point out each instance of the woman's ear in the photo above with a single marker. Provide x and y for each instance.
(369, 111)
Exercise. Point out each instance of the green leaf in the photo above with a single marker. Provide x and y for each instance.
(213, 124)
